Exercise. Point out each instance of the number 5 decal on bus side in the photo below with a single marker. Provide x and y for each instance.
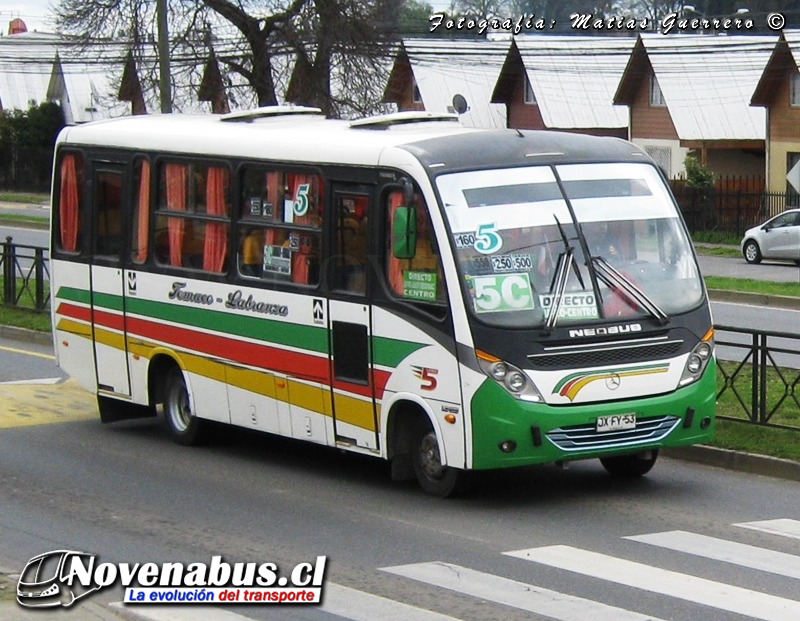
(300, 204)
(487, 239)
(510, 292)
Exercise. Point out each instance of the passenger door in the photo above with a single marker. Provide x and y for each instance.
(352, 385)
(109, 336)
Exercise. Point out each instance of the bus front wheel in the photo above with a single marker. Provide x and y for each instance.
(630, 466)
(434, 477)
(184, 426)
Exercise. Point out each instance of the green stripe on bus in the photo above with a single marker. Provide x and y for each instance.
(288, 334)
(387, 352)
(74, 295)
(391, 352)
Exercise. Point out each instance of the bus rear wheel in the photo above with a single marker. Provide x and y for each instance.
(184, 426)
(630, 466)
(434, 477)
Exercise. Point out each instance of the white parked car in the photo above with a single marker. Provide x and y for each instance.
(777, 238)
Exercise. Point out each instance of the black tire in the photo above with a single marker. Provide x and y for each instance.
(185, 428)
(751, 251)
(433, 477)
(630, 466)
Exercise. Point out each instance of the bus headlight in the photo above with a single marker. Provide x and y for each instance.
(698, 359)
(509, 377)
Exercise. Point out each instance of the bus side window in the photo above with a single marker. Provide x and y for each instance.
(141, 210)
(108, 214)
(70, 216)
(279, 226)
(420, 278)
(194, 216)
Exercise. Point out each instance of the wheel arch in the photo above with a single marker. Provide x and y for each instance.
(161, 363)
(404, 411)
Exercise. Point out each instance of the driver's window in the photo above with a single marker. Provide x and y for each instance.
(420, 278)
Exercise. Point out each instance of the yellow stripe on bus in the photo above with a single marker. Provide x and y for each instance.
(352, 410)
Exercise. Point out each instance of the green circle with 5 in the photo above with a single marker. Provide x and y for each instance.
(487, 239)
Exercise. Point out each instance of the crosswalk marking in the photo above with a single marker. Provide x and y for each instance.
(519, 595)
(740, 554)
(176, 612)
(360, 606)
(337, 600)
(681, 586)
(783, 527)
(348, 603)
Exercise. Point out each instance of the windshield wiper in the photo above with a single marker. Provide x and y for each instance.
(565, 262)
(617, 280)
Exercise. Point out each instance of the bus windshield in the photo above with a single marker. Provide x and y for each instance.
(542, 245)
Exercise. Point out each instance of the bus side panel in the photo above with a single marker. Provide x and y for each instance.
(72, 321)
(414, 363)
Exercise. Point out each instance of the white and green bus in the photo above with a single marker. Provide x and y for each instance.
(447, 298)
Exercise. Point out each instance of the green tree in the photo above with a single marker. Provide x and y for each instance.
(697, 175)
(414, 16)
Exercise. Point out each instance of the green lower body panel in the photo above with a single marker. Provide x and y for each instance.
(534, 433)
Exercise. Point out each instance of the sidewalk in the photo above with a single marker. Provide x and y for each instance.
(30, 215)
(86, 610)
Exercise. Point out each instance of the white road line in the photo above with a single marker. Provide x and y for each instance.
(740, 554)
(674, 584)
(359, 606)
(178, 612)
(783, 527)
(44, 381)
(519, 595)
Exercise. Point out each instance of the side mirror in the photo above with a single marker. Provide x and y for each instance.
(404, 233)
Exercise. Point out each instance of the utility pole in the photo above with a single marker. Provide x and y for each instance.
(165, 86)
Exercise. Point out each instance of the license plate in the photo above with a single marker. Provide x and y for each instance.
(615, 422)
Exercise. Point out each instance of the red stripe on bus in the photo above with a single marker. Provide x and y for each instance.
(296, 364)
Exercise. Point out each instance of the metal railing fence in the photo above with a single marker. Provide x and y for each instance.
(26, 274)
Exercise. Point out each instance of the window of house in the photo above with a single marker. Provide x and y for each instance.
(656, 96)
(193, 218)
(280, 227)
(662, 156)
(530, 96)
(794, 89)
(416, 96)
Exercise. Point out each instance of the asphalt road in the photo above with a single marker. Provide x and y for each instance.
(625, 549)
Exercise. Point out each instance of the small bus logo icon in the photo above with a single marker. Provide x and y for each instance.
(48, 580)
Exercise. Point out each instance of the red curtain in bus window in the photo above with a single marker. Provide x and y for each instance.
(300, 261)
(274, 187)
(68, 204)
(394, 267)
(142, 224)
(176, 201)
(216, 242)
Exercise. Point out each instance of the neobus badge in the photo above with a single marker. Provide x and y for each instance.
(606, 330)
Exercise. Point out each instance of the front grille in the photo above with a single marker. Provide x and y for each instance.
(582, 437)
(610, 354)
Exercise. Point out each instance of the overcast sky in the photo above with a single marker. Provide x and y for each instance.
(35, 13)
